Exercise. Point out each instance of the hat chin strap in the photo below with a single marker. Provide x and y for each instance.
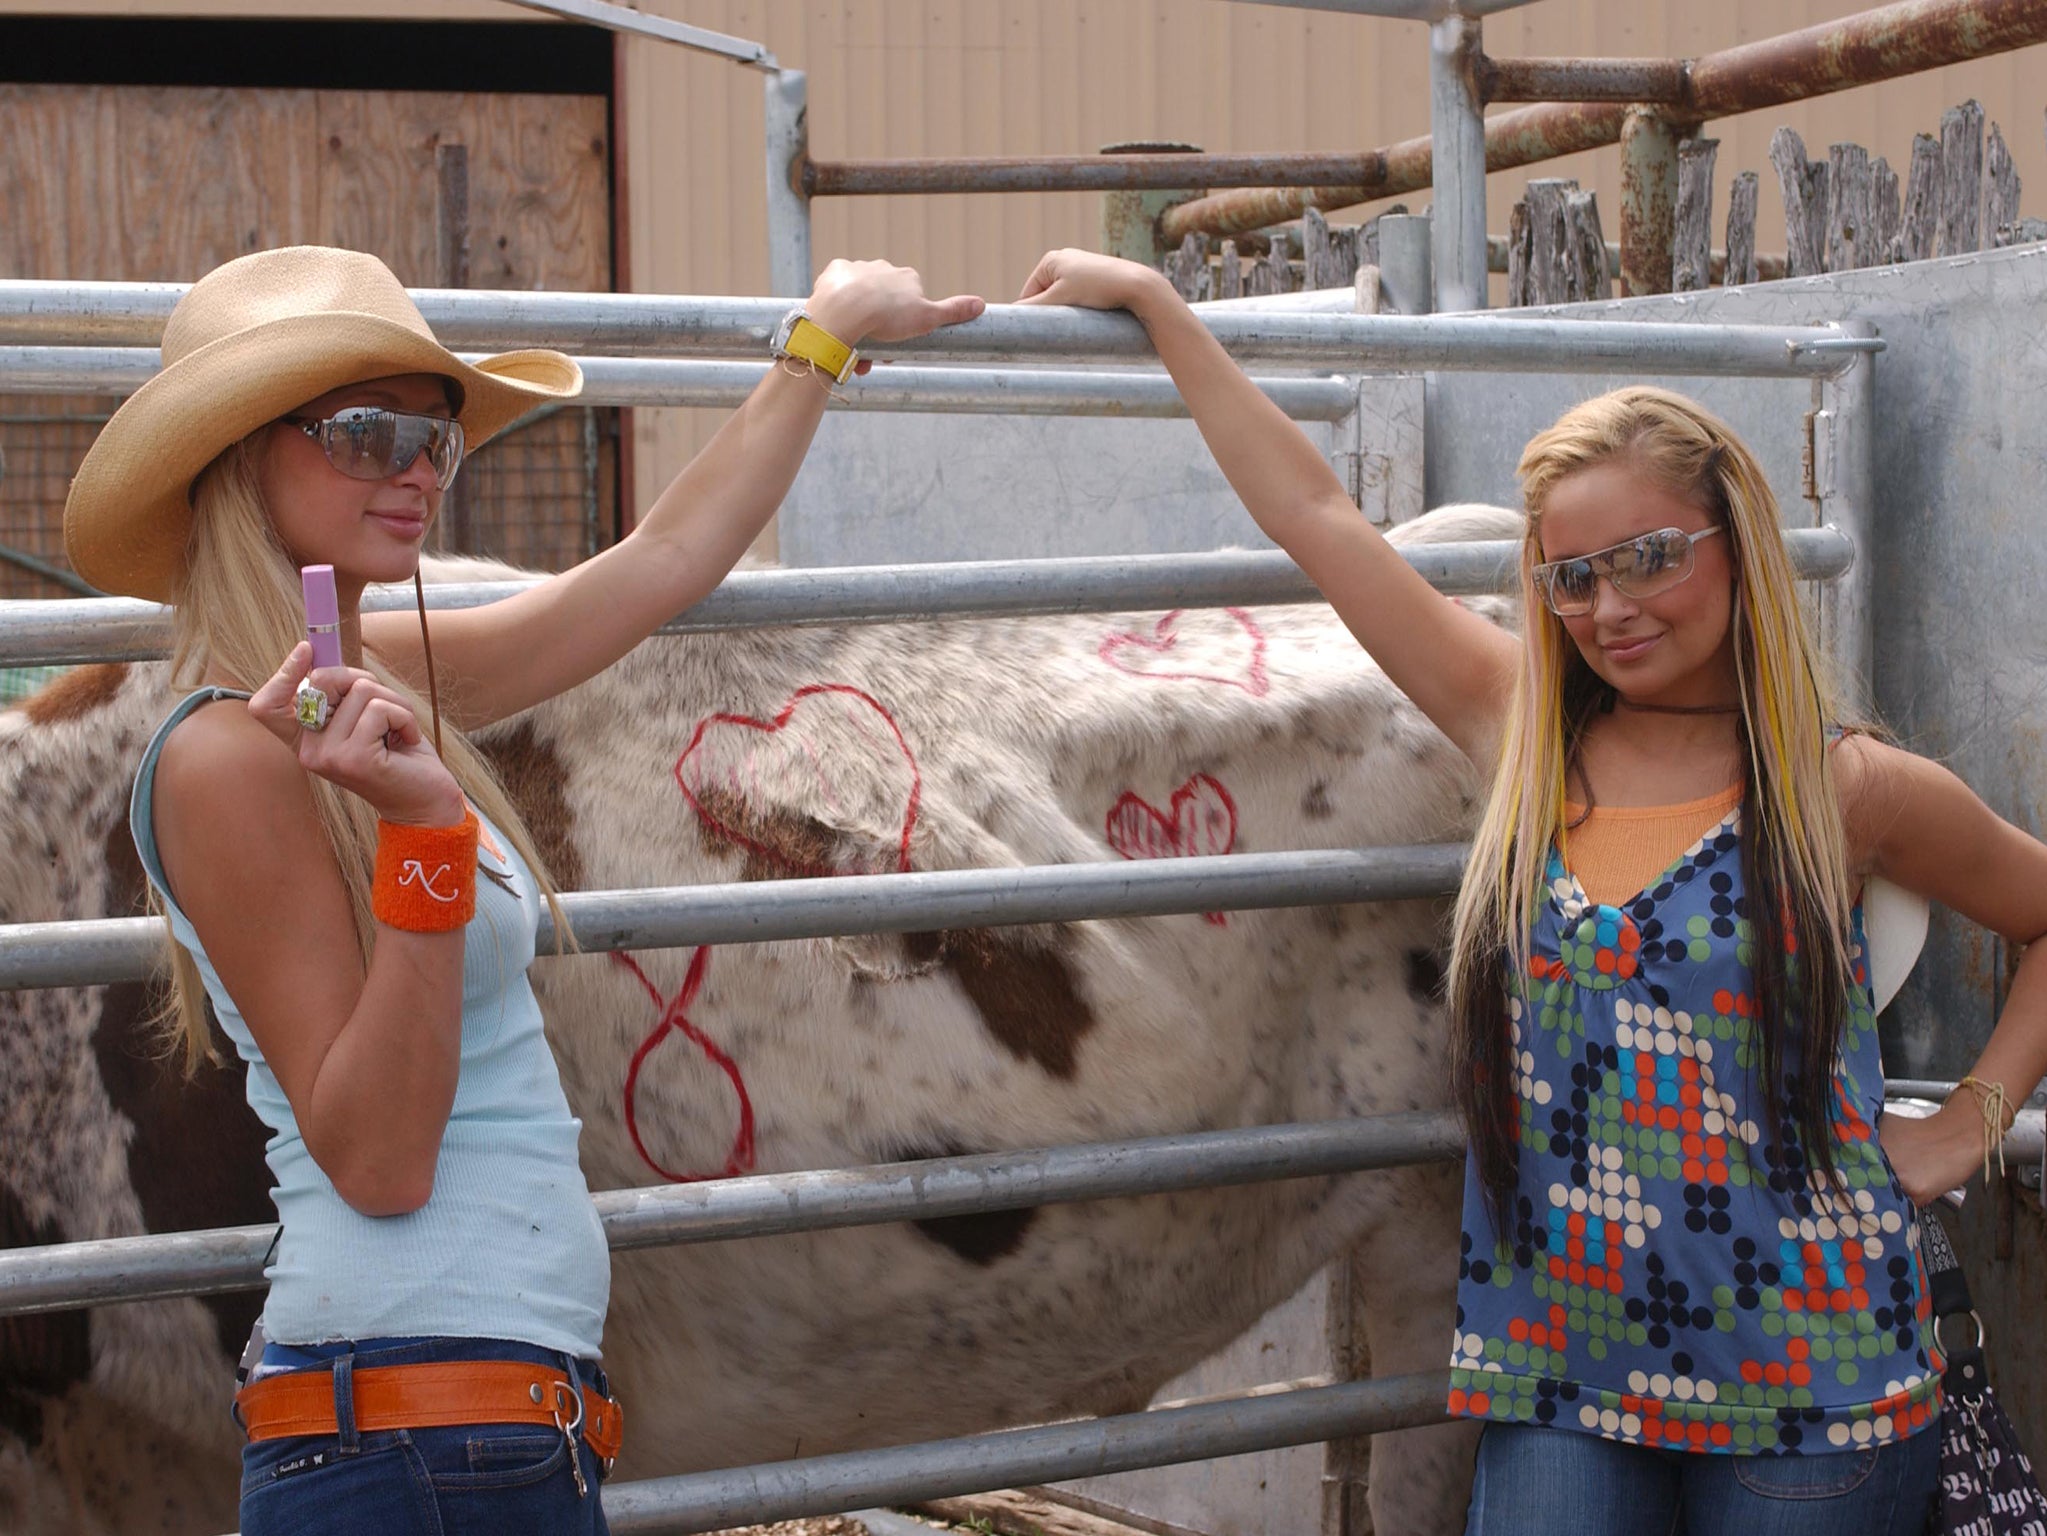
(433, 687)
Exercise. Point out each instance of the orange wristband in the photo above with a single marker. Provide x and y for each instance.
(426, 876)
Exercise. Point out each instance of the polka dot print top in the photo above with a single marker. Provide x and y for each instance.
(1671, 1279)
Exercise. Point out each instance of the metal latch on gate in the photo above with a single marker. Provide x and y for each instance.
(1816, 453)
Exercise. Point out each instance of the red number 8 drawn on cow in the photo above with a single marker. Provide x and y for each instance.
(1201, 818)
(673, 1020)
(1194, 650)
(749, 781)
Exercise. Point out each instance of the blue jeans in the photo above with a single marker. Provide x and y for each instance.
(1535, 1481)
(464, 1480)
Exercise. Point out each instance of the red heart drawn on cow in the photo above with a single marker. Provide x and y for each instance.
(1225, 648)
(832, 757)
(1201, 818)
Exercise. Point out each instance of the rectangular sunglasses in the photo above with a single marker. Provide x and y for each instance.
(1639, 567)
(368, 442)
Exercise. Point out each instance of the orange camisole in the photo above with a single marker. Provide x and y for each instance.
(1618, 850)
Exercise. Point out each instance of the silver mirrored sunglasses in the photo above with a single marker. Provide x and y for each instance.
(1638, 567)
(368, 442)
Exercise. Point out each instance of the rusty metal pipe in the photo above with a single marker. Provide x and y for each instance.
(1882, 44)
(1648, 200)
(1084, 173)
(1623, 80)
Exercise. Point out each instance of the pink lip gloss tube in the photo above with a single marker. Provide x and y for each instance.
(323, 614)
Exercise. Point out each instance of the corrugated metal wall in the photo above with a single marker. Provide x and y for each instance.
(932, 77)
(899, 78)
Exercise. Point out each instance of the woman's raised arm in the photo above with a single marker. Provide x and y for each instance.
(1457, 667)
(500, 659)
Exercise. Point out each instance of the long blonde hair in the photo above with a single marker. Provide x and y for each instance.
(1793, 844)
(238, 612)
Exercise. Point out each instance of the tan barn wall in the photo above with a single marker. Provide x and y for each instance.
(899, 77)
(895, 78)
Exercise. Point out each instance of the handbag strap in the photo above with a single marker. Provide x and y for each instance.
(1964, 1373)
(1950, 1287)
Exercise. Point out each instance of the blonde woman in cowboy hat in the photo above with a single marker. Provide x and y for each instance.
(358, 907)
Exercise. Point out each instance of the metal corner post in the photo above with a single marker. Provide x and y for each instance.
(787, 96)
(1844, 474)
(1649, 142)
(1457, 121)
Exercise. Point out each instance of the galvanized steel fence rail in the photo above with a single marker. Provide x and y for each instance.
(53, 314)
(654, 381)
(68, 1275)
(122, 949)
(60, 630)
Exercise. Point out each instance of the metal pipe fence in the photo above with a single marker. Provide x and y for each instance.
(64, 1276)
(662, 381)
(55, 631)
(103, 951)
(90, 321)
(36, 313)
(709, 1501)
(1882, 44)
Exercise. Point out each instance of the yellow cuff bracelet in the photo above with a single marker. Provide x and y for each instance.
(805, 340)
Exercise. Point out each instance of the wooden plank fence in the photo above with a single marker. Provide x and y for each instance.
(1960, 194)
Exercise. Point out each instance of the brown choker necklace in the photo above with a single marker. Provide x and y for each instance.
(1676, 709)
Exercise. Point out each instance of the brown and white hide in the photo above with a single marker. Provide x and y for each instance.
(804, 751)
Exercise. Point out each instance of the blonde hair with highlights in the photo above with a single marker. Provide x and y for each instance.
(239, 612)
(1793, 843)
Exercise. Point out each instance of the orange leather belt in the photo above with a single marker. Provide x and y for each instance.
(431, 1395)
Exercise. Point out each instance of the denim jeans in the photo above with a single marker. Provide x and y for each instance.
(1535, 1481)
(464, 1480)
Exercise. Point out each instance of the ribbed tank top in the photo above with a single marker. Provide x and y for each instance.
(1617, 850)
(508, 1246)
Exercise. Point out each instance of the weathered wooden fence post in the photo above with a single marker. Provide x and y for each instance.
(1883, 212)
(1691, 251)
(1518, 255)
(1961, 175)
(1921, 224)
(1188, 269)
(1229, 272)
(1848, 178)
(2000, 192)
(1741, 229)
(1805, 204)
(1585, 264)
(1275, 274)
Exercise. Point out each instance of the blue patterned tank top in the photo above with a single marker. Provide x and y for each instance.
(1671, 1278)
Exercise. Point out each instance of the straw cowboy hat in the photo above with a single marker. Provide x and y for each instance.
(251, 341)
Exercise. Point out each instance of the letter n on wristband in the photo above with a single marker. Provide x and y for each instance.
(426, 876)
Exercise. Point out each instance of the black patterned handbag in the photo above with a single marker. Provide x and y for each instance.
(1986, 1483)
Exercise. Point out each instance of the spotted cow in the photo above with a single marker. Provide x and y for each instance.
(812, 751)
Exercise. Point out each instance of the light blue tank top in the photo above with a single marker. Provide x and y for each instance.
(508, 1246)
